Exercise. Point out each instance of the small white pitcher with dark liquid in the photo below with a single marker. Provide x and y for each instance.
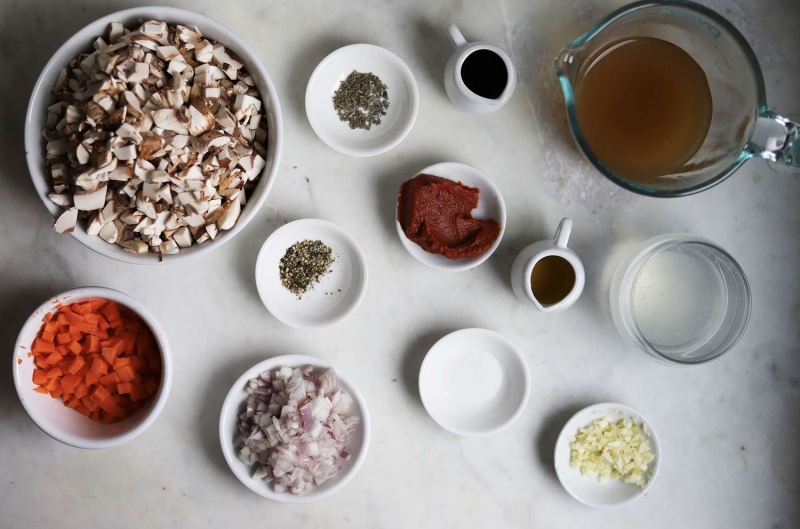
(479, 78)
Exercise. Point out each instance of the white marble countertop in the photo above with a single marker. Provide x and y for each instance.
(729, 429)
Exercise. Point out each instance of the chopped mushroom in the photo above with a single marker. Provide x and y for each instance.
(155, 140)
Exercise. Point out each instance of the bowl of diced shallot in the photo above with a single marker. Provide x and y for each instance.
(294, 429)
(92, 367)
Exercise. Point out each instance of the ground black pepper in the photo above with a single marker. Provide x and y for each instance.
(303, 264)
(361, 100)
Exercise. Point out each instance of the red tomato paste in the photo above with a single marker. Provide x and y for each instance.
(435, 213)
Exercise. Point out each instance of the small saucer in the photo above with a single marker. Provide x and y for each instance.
(338, 293)
(400, 85)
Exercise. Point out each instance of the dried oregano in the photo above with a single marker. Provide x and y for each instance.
(361, 100)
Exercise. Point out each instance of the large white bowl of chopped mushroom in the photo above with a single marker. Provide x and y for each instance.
(153, 134)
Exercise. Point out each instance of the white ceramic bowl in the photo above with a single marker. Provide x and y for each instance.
(401, 87)
(490, 206)
(41, 98)
(334, 298)
(228, 429)
(590, 491)
(474, 382)
(67, 425)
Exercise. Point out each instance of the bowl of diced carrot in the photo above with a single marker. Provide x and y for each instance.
(92, 367)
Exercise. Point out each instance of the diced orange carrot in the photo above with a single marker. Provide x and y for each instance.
(124, 388)
(63, 350)
(55, 372)
(81, 390)
(41, 361)
(49, 336)
(71, 381)
(43, 346)
(76, 365)
(119, 412)
(130, 342)
(95, 416)
(53, 383)
(75, 347)
(139, 392)
(93, 344)
(62, 320)
(72, 318)
(92, 318)
(63, 338)
(102, 323)
(42, 390)
(88, 328)
(109, 354)
(73, 402)
(91, 378)
(111, 379)
(47, 317)
(64, 364)
(111, 311)
(53, 359)
(99, 394)
(125, 373)
(83, 409)
(89, 403)
(122, 362)
(98, 304)
(51, 326)
(57, 392)
(109, 405)
(100, 366)
(107, 418)
(140, 363)
(39, 377)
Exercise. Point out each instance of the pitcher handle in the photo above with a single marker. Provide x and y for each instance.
(777, 140)
(563, 232)
(455, 35)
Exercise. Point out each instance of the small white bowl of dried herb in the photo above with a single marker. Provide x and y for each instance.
(362, 100)
(311, 274)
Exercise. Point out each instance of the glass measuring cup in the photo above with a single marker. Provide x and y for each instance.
(742, 125)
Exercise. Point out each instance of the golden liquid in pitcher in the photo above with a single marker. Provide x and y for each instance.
(644, 107)
(552, 279)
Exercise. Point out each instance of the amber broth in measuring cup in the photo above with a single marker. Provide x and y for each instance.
(644, 107)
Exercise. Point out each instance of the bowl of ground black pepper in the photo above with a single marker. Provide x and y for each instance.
(311, 274)
(362, 100)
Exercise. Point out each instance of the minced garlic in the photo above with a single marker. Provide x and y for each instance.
(613, 450)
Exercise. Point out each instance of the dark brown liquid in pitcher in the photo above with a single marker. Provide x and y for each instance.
(552, 279)
(644, 107)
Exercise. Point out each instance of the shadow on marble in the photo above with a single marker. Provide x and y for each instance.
(412, 359)
(305, 61)
(18, 305)
(248, 243)
(548, 434)
(215, 389)
(523, 227)
(388, 182)
(35, 35)
(434, 49)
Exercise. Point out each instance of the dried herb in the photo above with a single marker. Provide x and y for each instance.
(303, 264)
(361, 100)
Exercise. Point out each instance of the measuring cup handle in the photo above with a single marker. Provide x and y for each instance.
(563, 232)
(779, 143)
(455, 35)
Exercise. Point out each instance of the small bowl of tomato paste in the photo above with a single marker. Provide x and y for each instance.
(450, 216)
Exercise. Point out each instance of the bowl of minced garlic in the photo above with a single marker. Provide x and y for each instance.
(607, 455)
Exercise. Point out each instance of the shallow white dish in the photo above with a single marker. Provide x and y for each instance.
(338, 293)
(401, 87)
(228, 429)
(41, 98)
(590, 491)
(474, 382)
(490, 206)
(65, 424)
